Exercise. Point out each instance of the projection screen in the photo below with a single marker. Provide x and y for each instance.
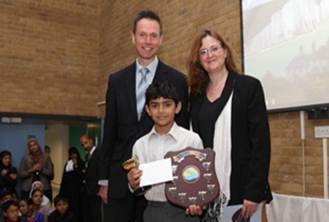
(286, 46)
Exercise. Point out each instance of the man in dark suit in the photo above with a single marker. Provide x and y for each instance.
(126, 120)
(91, 202)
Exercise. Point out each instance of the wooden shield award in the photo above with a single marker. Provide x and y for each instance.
(194, 177)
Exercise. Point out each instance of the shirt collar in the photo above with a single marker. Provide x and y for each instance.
(173, 132)
(151, 67)
(92, 150)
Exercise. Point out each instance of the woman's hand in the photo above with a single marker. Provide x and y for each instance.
(75, 162)
(37, 167)
(249, 208)
(134, 176)
(4, 172)
(13, 176)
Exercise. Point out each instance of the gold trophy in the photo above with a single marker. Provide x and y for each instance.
(134, 163)
(131, 163)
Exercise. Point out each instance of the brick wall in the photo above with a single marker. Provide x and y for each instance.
(296, 166)
(49, 56)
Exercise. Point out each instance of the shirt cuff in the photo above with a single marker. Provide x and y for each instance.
(103, 183)
(130, 188)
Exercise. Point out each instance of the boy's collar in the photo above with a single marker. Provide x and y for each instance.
(172, 132)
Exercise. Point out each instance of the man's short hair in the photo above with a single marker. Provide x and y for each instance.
(87, 136)
(147, 14)
(161, 89)
(4, 193)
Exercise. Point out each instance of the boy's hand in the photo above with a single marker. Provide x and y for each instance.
(194, 210)
(134, 176)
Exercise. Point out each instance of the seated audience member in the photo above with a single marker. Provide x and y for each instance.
(7, 195)
(61, 212)
(10, 211)
(23, 206)
(35, 166)
(45, 203)
(36, 197)
(8, 173)
(4, 197)
(28, 214)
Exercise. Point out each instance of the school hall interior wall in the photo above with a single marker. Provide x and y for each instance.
(49, 58)
(55, 57)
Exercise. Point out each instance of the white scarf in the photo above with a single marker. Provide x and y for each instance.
(222, 148)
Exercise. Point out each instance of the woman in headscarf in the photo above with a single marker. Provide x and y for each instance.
(45, 205)
(35, 166)
(8, 173)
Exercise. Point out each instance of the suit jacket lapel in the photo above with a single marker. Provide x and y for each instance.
(160, 72)
(131, 87)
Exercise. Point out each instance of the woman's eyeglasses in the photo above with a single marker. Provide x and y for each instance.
(212, 49)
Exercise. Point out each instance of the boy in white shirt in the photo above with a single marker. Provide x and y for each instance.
(162, 104)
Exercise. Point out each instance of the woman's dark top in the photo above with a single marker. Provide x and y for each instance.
(207, 122)
(213, 109)
(6, 182)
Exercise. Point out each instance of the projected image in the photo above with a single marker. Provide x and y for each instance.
(286, 46)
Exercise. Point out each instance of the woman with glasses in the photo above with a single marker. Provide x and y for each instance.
(35, 166)
(228, 111)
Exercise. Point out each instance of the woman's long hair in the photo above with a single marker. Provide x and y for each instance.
(197, 75)
(2, 155)
(74, 150)
(36, 157)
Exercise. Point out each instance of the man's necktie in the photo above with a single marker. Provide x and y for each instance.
(141, 88)
(87, 158)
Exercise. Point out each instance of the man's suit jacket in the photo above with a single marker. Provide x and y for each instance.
(121, 126)
(250, 154)
(91, 175)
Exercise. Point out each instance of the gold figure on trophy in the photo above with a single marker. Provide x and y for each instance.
(131, 163)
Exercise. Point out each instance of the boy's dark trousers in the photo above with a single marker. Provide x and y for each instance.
(164, 211)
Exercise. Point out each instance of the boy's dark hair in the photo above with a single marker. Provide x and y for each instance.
(28, 201)
(5, 193)
(59, 198)
(161, 89)
(148, 14)
(7, 204)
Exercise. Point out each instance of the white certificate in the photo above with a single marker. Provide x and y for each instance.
(156, 172)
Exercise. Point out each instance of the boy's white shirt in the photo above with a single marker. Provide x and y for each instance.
(154, 146)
